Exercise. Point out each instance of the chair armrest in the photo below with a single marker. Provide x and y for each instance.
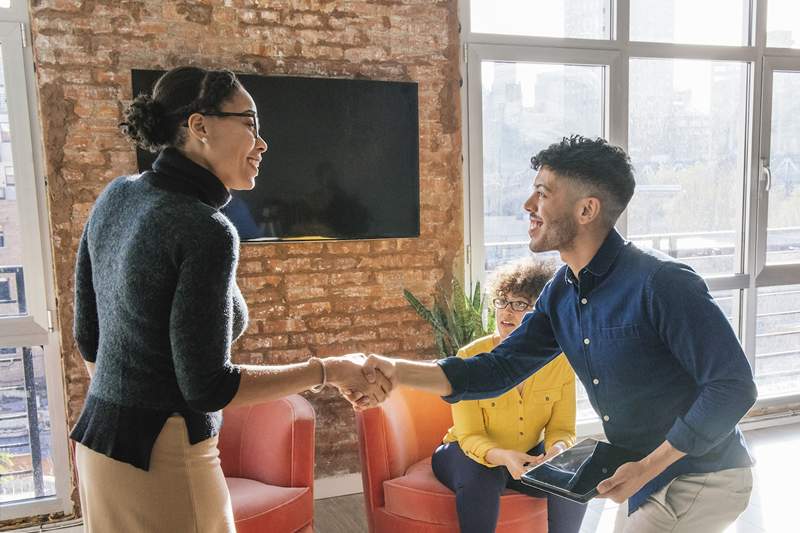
(374, 456)
(271, 442)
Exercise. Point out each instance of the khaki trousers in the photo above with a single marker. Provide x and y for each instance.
(184, 490)
(703, 503)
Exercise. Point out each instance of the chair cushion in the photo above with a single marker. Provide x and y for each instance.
(418, 495)
(261, 507)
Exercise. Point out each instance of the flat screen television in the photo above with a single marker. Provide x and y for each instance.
(342, 162)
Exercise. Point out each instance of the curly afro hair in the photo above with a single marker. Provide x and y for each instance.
(526, 277)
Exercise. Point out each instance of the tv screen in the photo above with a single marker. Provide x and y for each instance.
(342, 162)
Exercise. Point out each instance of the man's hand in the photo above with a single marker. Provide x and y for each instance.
(345, 372)
(516, 462)
(625, 482)
(631, 477)
(376, 369)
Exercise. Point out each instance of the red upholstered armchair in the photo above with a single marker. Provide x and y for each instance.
(267, 454)
(401, 493)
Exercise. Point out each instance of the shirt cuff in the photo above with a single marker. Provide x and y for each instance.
(687, 440)
(455, 370)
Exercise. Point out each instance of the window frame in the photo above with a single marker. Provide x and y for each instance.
(38, 327)
(752, 273)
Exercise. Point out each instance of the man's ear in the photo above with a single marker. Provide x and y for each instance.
(197, 127)
(589, 209)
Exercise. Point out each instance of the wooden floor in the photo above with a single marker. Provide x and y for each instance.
(773, 505)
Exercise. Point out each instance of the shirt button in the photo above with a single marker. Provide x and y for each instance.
(520, 402)
(547, 398)
(605, 417)
(586, 341)
(492, 404)
(520, 419)
(584, 301)
(521, 433)
(596, 381)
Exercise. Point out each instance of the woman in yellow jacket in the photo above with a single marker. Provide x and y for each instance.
(493, 440)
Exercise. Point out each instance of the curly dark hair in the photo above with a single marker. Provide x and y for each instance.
(526, 277)
(604, 170)
(154, 122)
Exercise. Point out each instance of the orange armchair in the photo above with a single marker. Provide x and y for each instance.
(267, 454)
(401, 493)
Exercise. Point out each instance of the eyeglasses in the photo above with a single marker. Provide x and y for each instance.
(516, 305)
(247, 114)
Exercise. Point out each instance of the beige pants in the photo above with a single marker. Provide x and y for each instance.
(704, 503)
(184, 490)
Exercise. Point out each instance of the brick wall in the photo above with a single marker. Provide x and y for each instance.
(306, 298)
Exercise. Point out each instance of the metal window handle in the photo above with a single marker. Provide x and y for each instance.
(766, 175)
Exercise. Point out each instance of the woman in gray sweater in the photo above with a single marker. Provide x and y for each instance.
(157, 309)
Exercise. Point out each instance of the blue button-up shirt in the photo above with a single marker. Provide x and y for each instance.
(656, 355)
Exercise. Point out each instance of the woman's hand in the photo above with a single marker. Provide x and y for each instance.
(554, 450)
(516, 462)
(345, 372)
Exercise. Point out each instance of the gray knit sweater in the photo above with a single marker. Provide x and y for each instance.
(157, 308)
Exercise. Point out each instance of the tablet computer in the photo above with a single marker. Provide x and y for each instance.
(576, 472)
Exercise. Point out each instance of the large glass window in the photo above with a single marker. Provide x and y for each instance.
(11, 253)
(26, 465)
(783, 228)
(783, 23)
(583, 19)
(689, 21)
(778, 341)
(526, 107)
(34, 474)
(703, 96)
(688, 142)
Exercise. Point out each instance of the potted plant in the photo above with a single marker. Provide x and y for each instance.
(457, 318)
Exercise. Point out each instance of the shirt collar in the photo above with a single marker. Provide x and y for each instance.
(603, 259)
(176, 172)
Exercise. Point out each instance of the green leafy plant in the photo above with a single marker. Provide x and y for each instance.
(457, 318)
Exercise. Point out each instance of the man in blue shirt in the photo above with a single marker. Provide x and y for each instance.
(660, 362)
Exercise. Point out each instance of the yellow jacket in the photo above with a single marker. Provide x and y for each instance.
(545, 410)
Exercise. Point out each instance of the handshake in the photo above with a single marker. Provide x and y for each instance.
(363, 381)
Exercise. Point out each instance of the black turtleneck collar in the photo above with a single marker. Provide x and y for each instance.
(175, 172)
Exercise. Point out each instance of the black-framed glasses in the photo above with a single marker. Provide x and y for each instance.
(516, 305)
(247, 114)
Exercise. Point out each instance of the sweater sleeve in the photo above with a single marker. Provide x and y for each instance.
(86, 328)
(201, 318)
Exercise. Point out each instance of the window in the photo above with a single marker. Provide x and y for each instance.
(687, 141)
(583, 19)
(34, 473)
(783, 224)
(525, 106)
(687, 21)
(778, 341)
(702, 95)
(783, 23)
(10, 186)
(26, 465)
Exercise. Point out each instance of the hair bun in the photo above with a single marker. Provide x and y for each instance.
(146, 123)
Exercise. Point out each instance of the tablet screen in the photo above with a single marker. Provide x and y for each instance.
(581, 468)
